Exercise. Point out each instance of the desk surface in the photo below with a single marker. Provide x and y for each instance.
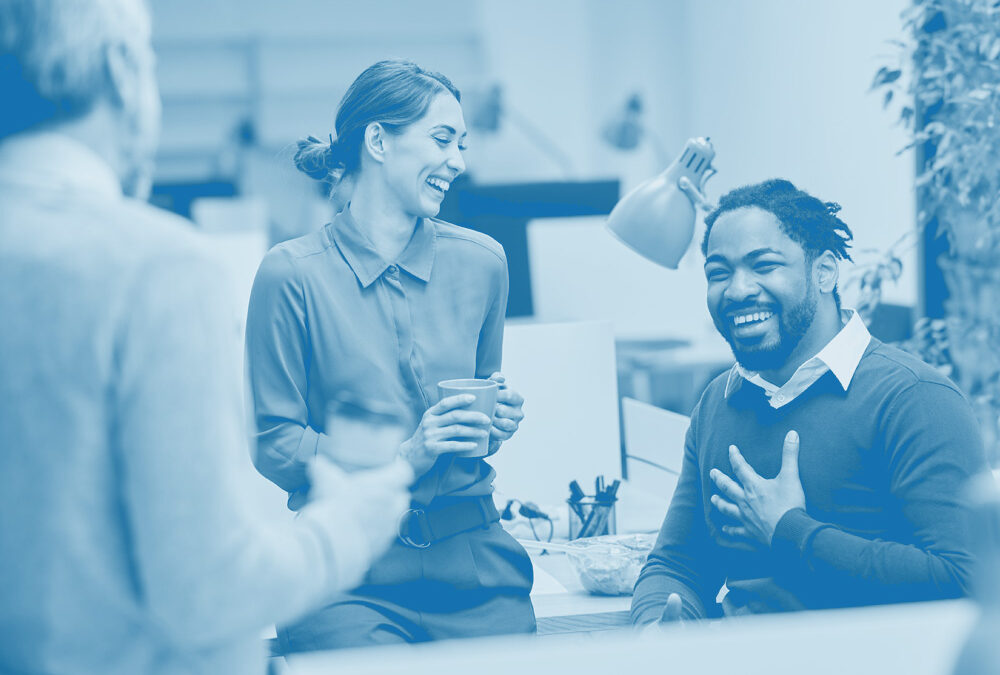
(917, 639)
(563, 606)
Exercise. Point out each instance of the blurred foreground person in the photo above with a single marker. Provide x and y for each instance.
(128, 544)
(826, 469)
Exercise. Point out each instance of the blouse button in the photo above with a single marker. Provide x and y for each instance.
(392, 270)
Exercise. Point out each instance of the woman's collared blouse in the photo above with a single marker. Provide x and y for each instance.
(328, 314)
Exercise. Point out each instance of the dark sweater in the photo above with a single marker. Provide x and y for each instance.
(884, 467)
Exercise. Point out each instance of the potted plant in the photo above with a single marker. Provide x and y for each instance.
(949, 82)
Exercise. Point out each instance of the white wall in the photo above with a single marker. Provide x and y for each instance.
(779, 85)
(286, 64)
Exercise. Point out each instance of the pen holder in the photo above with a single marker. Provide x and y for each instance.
(589, 517)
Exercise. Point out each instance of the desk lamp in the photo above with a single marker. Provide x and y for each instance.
(656, 219)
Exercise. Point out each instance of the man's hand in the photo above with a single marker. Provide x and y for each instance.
(374, 498)
(759, 503)
(507, 415)
(671, 615)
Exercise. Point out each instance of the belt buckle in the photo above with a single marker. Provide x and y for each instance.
(405, 537)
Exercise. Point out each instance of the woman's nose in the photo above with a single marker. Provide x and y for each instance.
(455, 160)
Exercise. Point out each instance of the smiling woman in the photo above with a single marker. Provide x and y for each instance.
(381, 305)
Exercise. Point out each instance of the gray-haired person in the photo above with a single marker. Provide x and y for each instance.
(128, 542)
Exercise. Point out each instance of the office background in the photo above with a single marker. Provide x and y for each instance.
(781, 87)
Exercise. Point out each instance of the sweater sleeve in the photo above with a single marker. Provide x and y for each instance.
(277, 355)
(933, 449)
(209, 563)
(682, 559)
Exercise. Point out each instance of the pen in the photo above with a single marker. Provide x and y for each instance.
(613, 491)
(604, 501)
(587, 525)
(575, 495)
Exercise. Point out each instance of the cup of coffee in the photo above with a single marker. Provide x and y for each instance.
(364, 433)
(485, 392)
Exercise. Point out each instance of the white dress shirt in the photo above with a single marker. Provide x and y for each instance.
(840, 356)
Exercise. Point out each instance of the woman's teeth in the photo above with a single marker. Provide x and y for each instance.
(743, 319)
(438, 184)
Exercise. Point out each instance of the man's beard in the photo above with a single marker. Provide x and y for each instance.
(793, 324)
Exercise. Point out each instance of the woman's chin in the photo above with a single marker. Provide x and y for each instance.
(429, 210)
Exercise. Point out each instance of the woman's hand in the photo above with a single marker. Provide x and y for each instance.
(507, 415)
(441, 425)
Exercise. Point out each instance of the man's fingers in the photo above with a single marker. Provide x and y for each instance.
(726, 508)
(673, 609)
(727, 486)
(327, 479)
(744, 472)
(394, 476)
(790, 454)
(736, 531)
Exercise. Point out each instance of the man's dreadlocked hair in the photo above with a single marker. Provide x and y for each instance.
(811, 223)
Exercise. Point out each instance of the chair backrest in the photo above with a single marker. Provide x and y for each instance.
(566, 373)
(654, 446)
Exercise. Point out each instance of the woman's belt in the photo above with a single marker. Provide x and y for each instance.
(422, 527)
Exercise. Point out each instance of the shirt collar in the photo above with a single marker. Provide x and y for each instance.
(841, 355)
(56, 162)
(366, 262)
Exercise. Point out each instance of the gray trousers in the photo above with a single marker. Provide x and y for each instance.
(471, 585)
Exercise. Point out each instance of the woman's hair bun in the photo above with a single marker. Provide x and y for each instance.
(315, 158)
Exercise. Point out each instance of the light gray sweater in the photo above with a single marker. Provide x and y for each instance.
(128, 544)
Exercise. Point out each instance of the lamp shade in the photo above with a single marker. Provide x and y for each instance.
(656, 219)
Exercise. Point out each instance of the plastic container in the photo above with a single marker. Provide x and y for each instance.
(610, 564)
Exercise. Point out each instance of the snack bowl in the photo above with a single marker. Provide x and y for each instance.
(610, 564)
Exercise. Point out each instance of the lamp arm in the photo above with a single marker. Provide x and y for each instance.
(541, 139)
(694, 194)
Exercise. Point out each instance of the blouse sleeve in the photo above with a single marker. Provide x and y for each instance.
(277, 353)
(489, 352)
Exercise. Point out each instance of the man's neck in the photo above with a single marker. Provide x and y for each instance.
(96, 131)
(825, 326)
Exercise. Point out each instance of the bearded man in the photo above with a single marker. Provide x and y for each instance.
(825, 469)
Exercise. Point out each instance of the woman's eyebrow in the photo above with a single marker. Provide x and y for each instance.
(451, 130)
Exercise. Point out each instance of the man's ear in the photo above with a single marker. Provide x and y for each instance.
(375, 141)
(826, 272)
(123, 75)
